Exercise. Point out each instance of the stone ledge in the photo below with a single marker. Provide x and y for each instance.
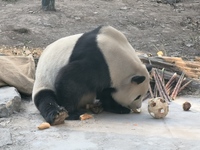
(10, 101)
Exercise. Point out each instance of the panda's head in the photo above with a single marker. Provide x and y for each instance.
(129, 76)
(131, 92)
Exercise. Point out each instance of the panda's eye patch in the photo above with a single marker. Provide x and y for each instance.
(137, 98)
(138, 79)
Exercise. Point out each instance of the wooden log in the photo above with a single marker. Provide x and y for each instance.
(174, 64)
(159, 63)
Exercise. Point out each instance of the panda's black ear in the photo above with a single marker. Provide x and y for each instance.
(138, 79)
(149, 67)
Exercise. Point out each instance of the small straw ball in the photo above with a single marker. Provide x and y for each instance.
(158, 107)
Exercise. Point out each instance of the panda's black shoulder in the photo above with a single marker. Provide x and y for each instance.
(87, 45)
(87, 66)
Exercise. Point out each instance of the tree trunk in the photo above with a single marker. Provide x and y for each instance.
(48, 5)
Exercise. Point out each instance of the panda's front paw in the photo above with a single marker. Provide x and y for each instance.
(60, 117)
(96, 107)
(75, 115)
(57, 116)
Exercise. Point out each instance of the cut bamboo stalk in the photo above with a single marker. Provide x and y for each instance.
(160, 86)
(171, 81)
(155, 91)
(163, 87)
(177, 87)
(184, 85)
(162, 76)
(195, 84)
(150, 90)
(169, 90)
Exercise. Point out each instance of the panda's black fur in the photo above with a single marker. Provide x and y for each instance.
(83, 77)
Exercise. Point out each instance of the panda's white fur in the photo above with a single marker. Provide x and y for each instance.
(121, 58)
(47, 69)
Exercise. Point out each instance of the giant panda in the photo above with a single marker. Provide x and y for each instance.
(75, 70)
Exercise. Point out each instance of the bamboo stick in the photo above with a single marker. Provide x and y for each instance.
(171, 81)
(177, 87)
(160, 86)
(184, 85)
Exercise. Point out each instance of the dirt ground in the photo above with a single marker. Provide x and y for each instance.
(150, 25)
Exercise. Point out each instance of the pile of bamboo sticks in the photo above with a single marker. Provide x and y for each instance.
(171, 88)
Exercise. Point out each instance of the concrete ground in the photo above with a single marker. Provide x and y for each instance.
(180, 130)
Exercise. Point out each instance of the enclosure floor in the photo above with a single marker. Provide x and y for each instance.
(179, 130)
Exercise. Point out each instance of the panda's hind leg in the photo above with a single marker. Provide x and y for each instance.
(72, 86)
(45, 101)
(68, 96)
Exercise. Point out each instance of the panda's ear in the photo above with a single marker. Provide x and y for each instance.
(149, 67)
(138, 79)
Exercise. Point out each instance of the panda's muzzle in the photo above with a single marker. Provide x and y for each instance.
(135, 105)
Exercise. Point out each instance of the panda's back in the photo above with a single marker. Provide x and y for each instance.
(55, 56)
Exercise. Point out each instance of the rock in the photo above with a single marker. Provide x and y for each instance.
(124, 8)
(5, 137)
(77, 18)
(10, 101)
(189, 44)
(3, 111)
